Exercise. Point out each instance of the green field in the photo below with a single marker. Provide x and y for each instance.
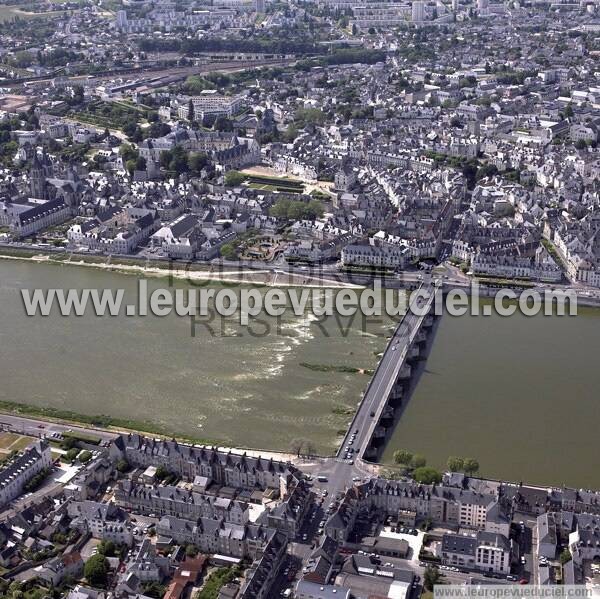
(13, 442)
(8, 13)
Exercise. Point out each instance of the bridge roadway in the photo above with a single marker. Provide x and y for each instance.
(382, 382)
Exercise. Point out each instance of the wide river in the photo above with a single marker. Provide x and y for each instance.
(519, 394)
(238, 386)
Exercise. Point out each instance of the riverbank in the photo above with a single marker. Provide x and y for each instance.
(28, 425)
(100, 422)
(193, 273)
(211, 379)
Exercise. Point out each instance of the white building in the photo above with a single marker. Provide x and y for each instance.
(384, 256)
(22, 468)
(418, 11)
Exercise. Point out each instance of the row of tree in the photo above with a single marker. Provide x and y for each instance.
(417, 465)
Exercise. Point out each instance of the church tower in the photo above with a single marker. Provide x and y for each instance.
(37, 179)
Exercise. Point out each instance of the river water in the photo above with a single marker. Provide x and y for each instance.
(238, 387)
(519, 394)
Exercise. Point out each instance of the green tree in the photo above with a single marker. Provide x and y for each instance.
(162, 472)
(234, 178)
(122, 465)
(471, 466)
(455, 464)
(191, 112)
(96, 570)
(196, 162)
(418, 461)
(565, 556)
(229, 251)
(431, 577)
(72, 454)
(403, 456)
(85, 456)
(568, 111)
(107, 548)
(427, 475)
(130, 166)
(128, 152)
(154, 589)
(191, 550)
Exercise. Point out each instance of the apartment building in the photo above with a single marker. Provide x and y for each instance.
(223, 468)
(22, 468)
(182, 503)
(487, 552)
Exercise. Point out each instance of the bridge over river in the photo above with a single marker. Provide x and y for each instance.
(375, 413)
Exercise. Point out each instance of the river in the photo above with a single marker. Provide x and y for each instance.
(519, 394)
(238, 387)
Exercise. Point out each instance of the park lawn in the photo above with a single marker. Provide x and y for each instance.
(13, 442)
(21, 444)
(7, 439)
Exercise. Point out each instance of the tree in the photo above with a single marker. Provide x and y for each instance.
(402, 456)
(197, 161)
(191, 550)
(107, 548)
(122, 465)
(568, 111)
(191, 112)
(565, 556)
(229, 251)
(85, 456)
(162, 473)
(130, 166)
(140, 164)
(431, 577)
(309, 448)
(426, 475)
(72, 454)
(418, 461)
(154, 589)
(471, 466)
(580, 144)
(128, 152)
(296, 446)
(234, 178)
(455, 464)
(96, 570)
